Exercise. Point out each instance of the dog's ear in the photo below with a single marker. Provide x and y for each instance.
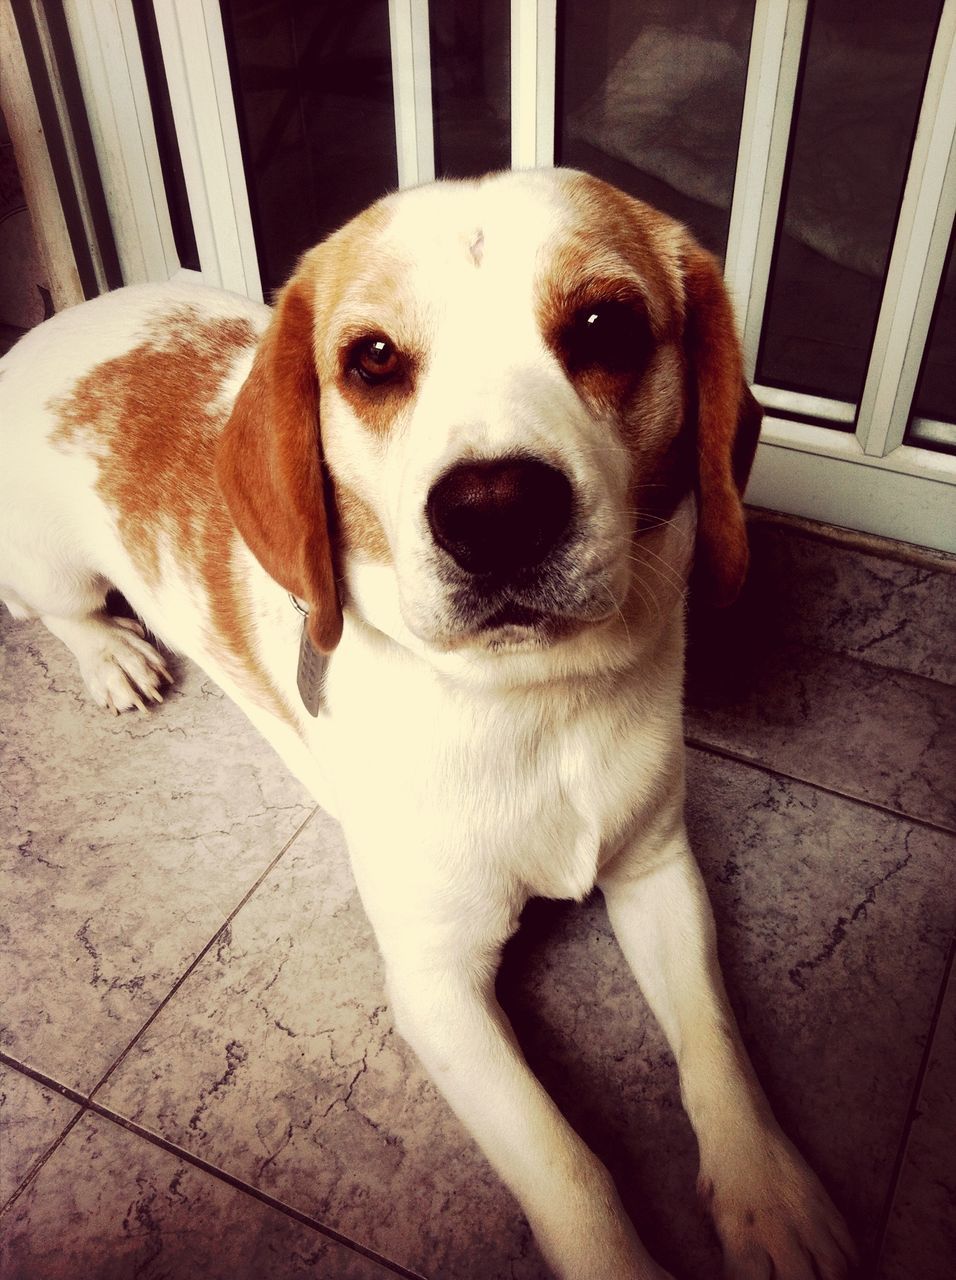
(727, 426)
(269, 464)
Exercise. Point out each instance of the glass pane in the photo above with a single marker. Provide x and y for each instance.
(471, 86)
(650, 97)
(166, 140)
(312, 81)
(858, 104)
(936, 390)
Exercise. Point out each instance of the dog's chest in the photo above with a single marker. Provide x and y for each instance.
(492, 789)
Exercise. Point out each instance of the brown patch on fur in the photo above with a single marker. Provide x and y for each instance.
(357, 292)
(611, 230)
(378, 408)
(150, 420)
(683, 409)
(360, 529)
(620, 254)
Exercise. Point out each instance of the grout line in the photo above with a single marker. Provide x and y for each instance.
(34, 1170)
(88, 1106)
(246, 1188)
(896, 1174)
(198, 959)
(71, 1095)
(727, 753)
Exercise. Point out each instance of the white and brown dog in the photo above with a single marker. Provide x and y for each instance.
(480, 439)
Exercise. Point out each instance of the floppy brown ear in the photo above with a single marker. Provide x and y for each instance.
(728, 425)
(269, 465)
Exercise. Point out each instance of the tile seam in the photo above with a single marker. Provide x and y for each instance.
(200, 956)
(725, 753)
(88, 1106)
(31, 1174)
(893, 1183)
(247, 1188)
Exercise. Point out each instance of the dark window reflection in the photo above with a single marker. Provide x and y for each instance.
(313, 86)
(936, 390)
(166, 141)
(471, 87)
(650, 97)
(862, 82)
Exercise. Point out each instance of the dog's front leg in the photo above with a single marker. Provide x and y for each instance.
(772, 1214)
(441, 987)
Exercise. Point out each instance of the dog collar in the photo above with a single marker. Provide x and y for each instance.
(310, 676)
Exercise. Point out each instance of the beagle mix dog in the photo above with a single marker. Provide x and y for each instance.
(430, 522)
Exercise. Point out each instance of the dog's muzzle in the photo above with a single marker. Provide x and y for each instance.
(503, 524)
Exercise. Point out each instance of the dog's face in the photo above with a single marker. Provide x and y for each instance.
(511, 385)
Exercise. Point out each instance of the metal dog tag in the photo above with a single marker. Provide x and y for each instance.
(311, 674)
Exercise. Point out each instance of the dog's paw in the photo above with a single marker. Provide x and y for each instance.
(120, 666)
(775, 1219)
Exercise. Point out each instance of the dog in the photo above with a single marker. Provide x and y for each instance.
(430, 522)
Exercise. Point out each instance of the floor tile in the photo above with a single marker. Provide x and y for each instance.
(277, 1059)
(885, 610)
(279, 1062)
(884, 736)
(924, 1205)
(841, 922)
(834, 922)
(126, 842)
(108, 1206)
(32, 1117)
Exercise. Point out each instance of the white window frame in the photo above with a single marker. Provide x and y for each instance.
(106, 47)
(868, 479)
(533, 78)
(865, 479)
(412, 91)
(37, 174)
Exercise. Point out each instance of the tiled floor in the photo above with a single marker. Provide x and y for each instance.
(200, 1076)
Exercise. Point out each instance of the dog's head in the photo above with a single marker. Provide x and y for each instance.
(477, 410)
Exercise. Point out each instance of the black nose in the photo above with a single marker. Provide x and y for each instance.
(500, 516)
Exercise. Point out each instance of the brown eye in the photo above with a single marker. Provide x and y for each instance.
(609, 335)
(376, 360)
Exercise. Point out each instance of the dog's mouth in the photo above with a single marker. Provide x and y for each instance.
(514, 627)
(517, 615)
(513, 622)
(540, 607)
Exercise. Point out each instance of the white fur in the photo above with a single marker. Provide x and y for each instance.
(467, 777)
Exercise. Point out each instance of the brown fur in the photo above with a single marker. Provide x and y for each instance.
(153, 411)
(379, 408)
(356, 293)
(359, 527)
(727, 423)
(693, 369)
(269, 462)
(269, 466)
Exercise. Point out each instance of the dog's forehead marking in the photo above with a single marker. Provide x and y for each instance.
(526, 230)
(494, 220)
(476, 247)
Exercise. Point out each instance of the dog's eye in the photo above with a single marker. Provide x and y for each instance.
(611, 335)
(375, 360)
